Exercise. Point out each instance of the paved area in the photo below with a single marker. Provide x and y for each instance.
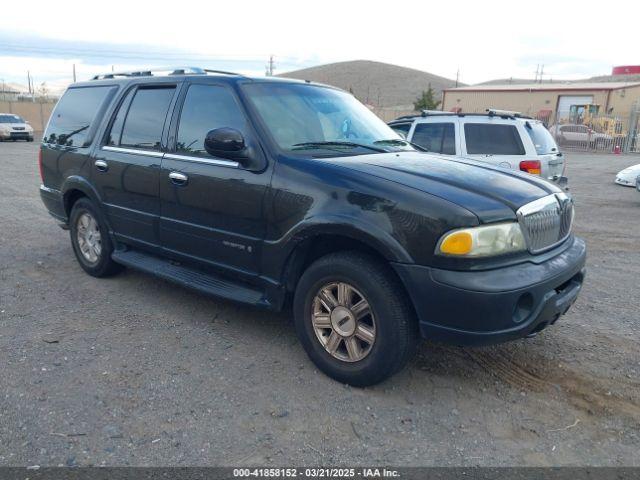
(132, 370)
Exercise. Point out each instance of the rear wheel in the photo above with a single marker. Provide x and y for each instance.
(90, 240)
(354, 319)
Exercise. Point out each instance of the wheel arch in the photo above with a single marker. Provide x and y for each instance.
(318, 240)
(76, 187)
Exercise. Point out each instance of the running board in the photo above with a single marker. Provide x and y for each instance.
(190, 278)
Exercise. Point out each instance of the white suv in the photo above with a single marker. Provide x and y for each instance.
(501, 138)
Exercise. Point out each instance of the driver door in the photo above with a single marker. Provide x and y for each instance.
(211, 208)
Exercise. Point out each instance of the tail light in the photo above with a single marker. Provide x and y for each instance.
(40, 164)
(531, 166)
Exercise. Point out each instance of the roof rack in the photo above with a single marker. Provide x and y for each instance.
(505, 113)
(491, 112)
(162, 70)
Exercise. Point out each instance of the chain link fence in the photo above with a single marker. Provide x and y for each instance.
(584, 128)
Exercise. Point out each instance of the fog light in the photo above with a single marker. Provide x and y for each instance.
(523, 308)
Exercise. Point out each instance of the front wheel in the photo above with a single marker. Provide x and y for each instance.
(354, 319)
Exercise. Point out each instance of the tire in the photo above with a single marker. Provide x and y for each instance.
(85, 217)
(391, 319)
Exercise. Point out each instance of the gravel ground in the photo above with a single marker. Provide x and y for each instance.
(133, 370)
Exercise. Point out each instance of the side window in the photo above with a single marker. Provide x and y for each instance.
(116, 128)
(205, 108)
(74, 114)
(493, 139)
(401, 128)
(436, 137)
(145, 119)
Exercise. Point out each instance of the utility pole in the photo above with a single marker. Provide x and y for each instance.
(270, 67)
(537, 69)
(74, 73)
(29, 81)
(457, 77)
(541, 73)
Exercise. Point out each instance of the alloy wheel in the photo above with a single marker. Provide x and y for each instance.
(343, 322)
(89, 237)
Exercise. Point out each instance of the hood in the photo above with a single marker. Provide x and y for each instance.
(492, 193)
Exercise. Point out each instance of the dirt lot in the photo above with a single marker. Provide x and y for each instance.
(136, 371)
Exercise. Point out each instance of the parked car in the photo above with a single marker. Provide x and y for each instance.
(277, 192)
(500, 138)
(14, 127)
(580, 135)
(628, 176)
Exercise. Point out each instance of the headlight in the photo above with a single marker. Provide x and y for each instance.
(483, 241)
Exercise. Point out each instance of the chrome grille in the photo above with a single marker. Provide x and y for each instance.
(546, 222)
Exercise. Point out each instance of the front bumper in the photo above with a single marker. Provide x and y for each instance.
(493, 306)
(22, 135)
(626, 181)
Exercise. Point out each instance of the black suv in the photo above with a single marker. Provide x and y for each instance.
(278, 192)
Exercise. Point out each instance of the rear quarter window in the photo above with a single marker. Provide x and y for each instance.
(493, 139)
(74, 115)
(541, 138)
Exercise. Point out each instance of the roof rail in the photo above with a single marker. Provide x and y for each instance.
(491, 113)
(505, 113)
(162, 70)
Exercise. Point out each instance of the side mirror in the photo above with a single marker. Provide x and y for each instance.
(224, 142)
(230, 143)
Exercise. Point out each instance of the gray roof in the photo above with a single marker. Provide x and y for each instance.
(546, 87)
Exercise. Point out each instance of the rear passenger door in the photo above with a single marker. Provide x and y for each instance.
(497, 142)
(211, 207)
(126, 166)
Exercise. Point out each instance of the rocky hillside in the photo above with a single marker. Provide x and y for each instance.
(375, 83)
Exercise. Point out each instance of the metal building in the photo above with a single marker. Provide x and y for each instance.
(551, 102)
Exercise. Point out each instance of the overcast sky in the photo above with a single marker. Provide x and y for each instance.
(483, 39)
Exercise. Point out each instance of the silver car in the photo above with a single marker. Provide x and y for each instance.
(13, 127)
(580, 135)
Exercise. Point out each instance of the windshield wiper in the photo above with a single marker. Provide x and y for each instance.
(398, 141)
(336, 143)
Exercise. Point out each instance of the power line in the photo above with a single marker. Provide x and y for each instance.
(133, 54)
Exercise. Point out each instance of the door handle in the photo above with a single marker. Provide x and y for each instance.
(101, 165)
(178, 178)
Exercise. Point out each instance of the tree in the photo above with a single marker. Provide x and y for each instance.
(426, 100)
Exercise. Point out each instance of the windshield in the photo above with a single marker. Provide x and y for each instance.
(11, 119)
(542, 139)
(308, 118)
